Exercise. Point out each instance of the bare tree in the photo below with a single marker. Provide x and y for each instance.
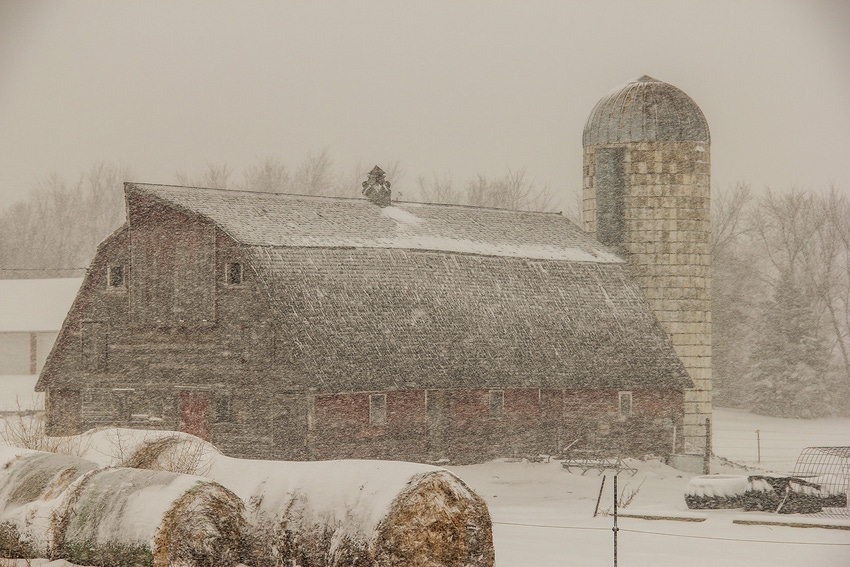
(514, 191)
(314, 174)
(55, 232)
(439, 190)
(269, 175)
(829, 269)
(214, 177)
(728, 217)
(736, 285)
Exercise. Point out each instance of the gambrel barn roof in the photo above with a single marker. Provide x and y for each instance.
(437, 296)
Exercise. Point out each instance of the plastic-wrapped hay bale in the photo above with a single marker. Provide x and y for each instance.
(717, 491)
(31, 483)
(783, 494)
(138, 517)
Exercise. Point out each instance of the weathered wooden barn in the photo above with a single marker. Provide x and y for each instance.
(298, 327)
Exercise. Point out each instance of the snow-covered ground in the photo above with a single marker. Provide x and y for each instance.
(543, 515)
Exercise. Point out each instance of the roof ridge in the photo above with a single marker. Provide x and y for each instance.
(142, 185)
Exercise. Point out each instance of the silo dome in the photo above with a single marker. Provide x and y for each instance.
(645, 110)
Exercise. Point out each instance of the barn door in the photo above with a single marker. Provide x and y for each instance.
(289, 427)
(438, 407)
(195, 414)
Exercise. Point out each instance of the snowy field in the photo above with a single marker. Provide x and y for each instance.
(543, 515)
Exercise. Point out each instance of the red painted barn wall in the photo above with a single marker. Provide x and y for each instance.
(341, 429)
(534, 422)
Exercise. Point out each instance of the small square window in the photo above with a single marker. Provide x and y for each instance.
(234, 273)
(497, 404)
(625, 404)
(115, 277)
(378, 409)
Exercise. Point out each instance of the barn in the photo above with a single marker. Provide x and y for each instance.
(301, 327)
(298, 327)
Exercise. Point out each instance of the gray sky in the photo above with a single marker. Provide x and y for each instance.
(444, 87)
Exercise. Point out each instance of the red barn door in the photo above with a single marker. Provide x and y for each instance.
(195, 414)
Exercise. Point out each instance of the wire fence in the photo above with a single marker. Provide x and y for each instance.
(667, 534)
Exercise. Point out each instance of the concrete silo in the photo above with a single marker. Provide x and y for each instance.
(646, 193)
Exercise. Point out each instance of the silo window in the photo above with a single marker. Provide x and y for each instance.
(234, 273)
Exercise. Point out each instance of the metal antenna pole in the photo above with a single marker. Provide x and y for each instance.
(616, 529)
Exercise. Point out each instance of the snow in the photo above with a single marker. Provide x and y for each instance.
(487, 248)
(721, 486)
(734, 437)
(401, 216)
(543, 515)
(36, 305)
(17, 392)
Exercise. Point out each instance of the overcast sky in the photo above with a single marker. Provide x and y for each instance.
(454, 88)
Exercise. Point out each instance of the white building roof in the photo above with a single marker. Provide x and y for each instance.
(36, 305)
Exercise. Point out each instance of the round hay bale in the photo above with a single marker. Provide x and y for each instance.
(137, 517)
(30, 485)
(27, 476)
(437, 521)
(335, 513)
(400, 516)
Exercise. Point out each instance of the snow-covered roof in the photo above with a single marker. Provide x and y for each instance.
(420, 295)
(36, 305)
(278, 219)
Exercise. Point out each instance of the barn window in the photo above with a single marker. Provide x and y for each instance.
(234, 273)
(223, 409)
(497, 404)
(625, 404)
(378, 409)
(115, 277)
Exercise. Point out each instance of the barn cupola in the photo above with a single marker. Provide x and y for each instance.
(377, 188)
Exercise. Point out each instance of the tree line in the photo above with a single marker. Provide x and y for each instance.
(781, 301)
(780, 262)
(55, 231)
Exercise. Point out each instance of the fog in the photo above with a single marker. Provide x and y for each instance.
(443, 88)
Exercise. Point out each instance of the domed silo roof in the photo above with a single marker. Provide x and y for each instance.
(645, 110)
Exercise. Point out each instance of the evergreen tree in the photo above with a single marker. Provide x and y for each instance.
(789, 361)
